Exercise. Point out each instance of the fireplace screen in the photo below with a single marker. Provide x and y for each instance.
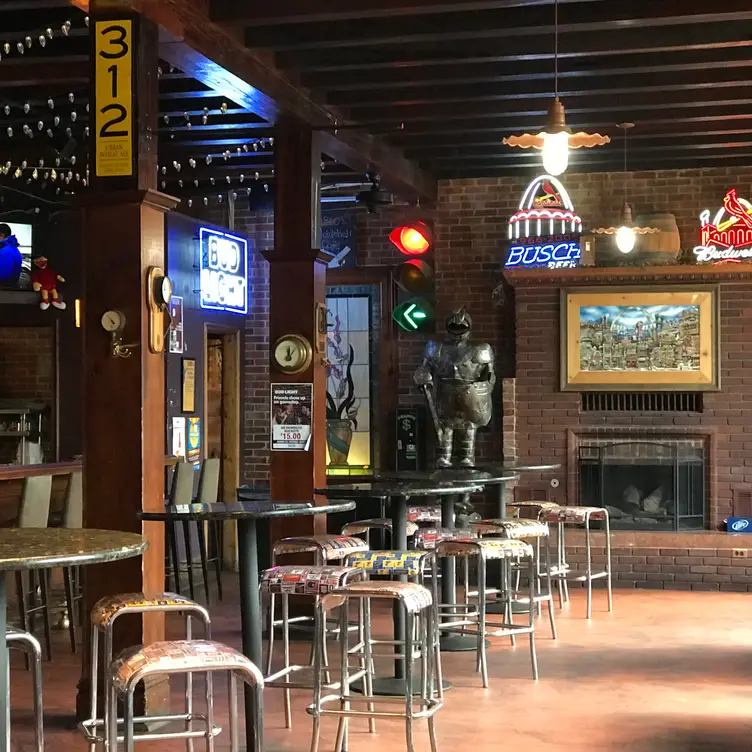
(646, 485)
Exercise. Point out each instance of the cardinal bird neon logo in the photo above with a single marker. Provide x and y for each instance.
(735, 209)
(550, 196)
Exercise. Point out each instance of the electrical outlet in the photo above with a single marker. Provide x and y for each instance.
(739, 553)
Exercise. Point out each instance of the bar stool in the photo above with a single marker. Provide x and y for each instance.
(104, 614)
(181, 492)
(307, 580)
(577, 515)
(362, 528)
(34, 511)
(534, 509)
(428, 538)
(183, 657)
(420, 643)
(475, 617)
(325, 548)
(525, 529)
(33, 650)
(208, 493)
(416, 565)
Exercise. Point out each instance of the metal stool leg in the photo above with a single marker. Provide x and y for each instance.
(189, 557)
(608, 564)
(93, 680)
(203, 559)
(68, 585)
(340, 744)
(408, 648)
(232, 684)
(46, 613)
(482, 657)
(588, 570)
(531, 616)
(286, 652)
(270, 636)
(550, 592)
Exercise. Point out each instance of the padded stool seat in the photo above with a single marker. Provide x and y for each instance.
(296, 579)
(512, 528)
(107, 608)
(426, 513)
(488, 548)
(326, 547)
(427, 537)
(575, 515)
(362, 527)
(391, 563)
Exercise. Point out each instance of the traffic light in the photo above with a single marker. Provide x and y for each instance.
(414, 309)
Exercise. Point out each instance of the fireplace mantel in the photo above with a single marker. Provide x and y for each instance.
(637, 275)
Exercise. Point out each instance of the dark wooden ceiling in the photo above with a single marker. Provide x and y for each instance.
(446, 80)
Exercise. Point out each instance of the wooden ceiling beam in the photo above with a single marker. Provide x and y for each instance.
(528, 23)
(713, 77)
(214, 57)
(625, 103)
(452, 74)
(23, 72)
(305, 11)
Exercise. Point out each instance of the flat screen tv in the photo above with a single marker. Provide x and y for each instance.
(10, 279)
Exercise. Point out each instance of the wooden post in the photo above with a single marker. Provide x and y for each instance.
(297, 280)
(124, 235)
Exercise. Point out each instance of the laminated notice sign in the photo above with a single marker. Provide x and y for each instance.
(292, 412)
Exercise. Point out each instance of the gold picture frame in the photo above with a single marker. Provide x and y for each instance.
(640, 339)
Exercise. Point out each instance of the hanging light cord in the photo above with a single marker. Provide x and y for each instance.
(556, 48)
(626, 132)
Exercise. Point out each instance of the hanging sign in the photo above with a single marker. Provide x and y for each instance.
(224, 271)
(545, 231)
(728, 238)
(113, 84)
(292, 413)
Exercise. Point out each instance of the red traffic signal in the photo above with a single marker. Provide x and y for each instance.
(413, 239)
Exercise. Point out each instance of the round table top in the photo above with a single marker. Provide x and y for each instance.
(449, 475)
(389, 488)
(40, 548)
(243, 510)
(518, 468)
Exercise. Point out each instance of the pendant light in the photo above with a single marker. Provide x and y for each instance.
(626, 233)
(555, 140)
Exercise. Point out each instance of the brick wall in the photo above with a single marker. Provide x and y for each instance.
(27, 363)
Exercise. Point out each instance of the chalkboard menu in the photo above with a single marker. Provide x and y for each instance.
(338, 237)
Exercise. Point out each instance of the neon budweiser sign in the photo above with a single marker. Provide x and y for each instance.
(728, 238)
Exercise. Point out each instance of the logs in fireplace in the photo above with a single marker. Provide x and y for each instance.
(646, 484)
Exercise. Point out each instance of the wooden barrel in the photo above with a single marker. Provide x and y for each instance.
(660, 247)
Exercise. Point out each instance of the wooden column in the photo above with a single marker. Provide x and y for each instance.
(297, 281)
(124, 235)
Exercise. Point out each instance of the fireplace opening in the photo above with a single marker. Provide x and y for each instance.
(645, 485)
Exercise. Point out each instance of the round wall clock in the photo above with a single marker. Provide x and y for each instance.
(292, 353)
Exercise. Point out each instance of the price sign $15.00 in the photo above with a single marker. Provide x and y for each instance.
(114, 98)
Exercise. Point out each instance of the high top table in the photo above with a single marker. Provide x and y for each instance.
(44, 548)
(398, 491)
(246, 513)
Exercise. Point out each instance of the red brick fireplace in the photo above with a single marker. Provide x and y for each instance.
(543, 424)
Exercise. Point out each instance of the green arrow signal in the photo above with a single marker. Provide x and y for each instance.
(413, 315)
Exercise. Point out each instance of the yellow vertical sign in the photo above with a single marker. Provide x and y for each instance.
(113, 77)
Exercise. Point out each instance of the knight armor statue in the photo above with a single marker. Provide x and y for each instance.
(457, 378)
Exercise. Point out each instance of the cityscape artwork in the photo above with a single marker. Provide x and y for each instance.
(649, 338)
(640, 338)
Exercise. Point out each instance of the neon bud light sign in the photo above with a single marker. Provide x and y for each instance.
(729, 236)
(545, 231)
(224, 271)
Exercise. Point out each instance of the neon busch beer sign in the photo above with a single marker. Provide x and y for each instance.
(728, 238)
(545, 231)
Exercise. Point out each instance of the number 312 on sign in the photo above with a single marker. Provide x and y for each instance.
(114, 98)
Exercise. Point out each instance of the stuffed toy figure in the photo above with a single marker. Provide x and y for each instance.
(44, 281)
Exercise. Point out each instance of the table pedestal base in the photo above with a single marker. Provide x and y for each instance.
(459, 643)
(391, 686)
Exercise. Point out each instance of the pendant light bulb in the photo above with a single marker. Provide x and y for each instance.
(555, 152)
(625, 239)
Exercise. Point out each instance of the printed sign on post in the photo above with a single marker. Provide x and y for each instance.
(113, 83)
(193, 453)
(292, 413)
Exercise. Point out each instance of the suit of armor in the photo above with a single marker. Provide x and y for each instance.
(458, 379)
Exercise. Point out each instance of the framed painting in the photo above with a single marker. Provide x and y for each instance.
(640, 339)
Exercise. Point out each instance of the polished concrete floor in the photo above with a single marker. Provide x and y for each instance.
(666, 672)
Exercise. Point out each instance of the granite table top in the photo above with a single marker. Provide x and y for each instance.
(243, 510)
(390, 488)
(39, 548)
